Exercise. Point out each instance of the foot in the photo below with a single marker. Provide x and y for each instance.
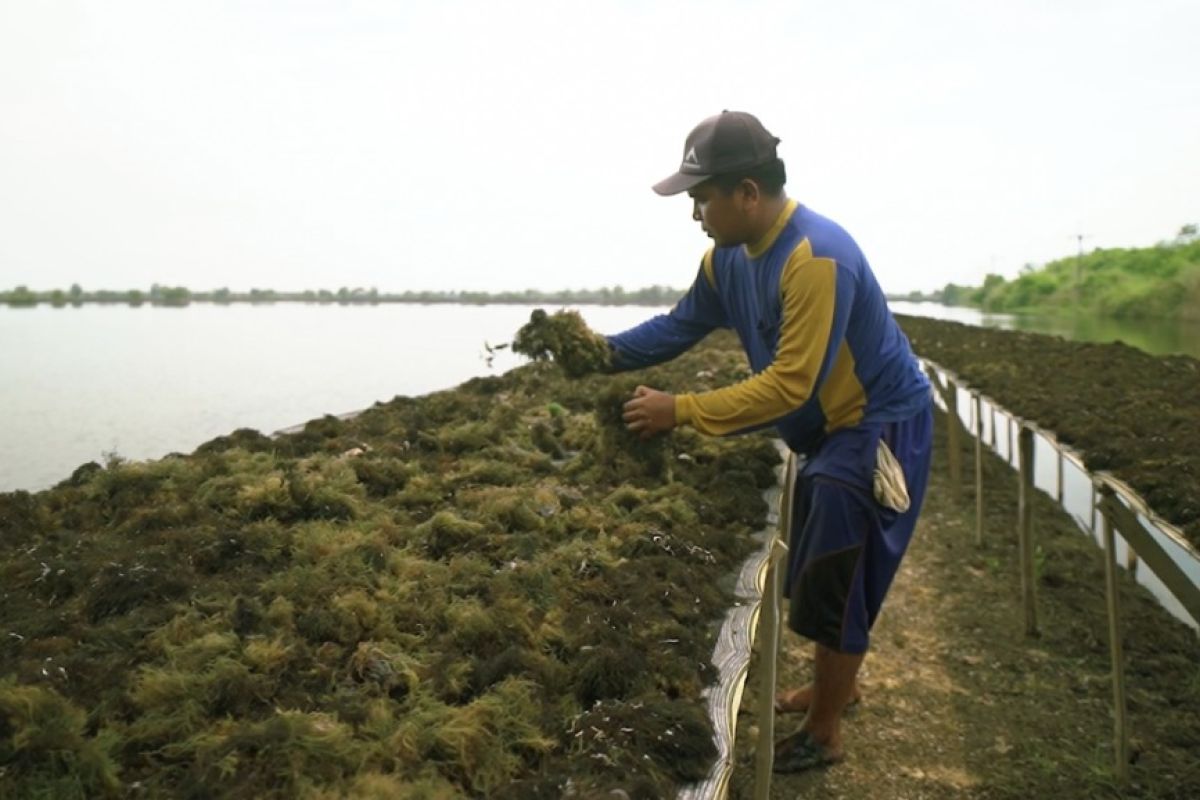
(800, 752)
(797, 701)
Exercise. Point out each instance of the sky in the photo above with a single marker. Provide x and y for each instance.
(498, 146)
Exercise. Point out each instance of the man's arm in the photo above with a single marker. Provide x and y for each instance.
(666, 336)
(816, 299)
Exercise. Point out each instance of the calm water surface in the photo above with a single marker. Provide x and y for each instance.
(143, 382)
(78, 383)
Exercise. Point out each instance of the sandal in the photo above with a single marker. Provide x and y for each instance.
(800, 752)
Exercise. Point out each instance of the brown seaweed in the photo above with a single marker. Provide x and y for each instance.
(442, 596)
(566, 339)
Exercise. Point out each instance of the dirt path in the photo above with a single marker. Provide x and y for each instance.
(959, 703)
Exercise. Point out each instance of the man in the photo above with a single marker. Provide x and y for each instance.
(832, 372)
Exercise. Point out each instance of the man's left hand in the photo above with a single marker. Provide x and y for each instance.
(649, 412)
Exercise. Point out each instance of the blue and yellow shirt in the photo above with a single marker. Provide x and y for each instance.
(824, 348)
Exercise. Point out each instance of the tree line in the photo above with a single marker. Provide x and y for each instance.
(1162, 281)
(178, 296)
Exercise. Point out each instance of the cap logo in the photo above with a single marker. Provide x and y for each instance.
(690, 157)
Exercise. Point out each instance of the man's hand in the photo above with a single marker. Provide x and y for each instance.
(649, 412)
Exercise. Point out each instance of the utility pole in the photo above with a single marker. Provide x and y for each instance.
(1079, 237)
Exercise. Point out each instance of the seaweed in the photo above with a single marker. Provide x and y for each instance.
(45, 746)
(442, 596)
(566, 339)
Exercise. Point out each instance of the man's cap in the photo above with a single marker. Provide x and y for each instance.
(728, 142)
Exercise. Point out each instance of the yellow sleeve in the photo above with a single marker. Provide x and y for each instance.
(707, 265)
(808, 292)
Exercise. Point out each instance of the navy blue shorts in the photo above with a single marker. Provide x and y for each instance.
(845, 548)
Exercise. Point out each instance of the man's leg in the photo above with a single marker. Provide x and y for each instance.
(827, 605)
(818, 742)
(834, 685)
(797, 701)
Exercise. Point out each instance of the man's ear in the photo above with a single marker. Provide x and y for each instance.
(751, 194)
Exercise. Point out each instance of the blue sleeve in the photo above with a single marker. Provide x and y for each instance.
(666, 336)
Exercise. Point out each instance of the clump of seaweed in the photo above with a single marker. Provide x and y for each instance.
(45, 747)
(444, 596)
(618, 451)
(662, 743)
(566, 339)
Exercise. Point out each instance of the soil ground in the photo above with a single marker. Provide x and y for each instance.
(959, 703)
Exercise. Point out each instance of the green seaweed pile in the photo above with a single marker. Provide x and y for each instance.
(491, 591)
(566, 339)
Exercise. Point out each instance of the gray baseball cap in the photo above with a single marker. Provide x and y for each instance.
(728, 142)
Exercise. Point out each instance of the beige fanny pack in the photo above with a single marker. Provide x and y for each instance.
(890, 489)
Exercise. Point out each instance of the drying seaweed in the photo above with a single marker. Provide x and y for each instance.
(491, 591)
(566, 339)
(1126, 411)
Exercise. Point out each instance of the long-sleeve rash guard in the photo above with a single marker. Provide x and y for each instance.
(825, 350)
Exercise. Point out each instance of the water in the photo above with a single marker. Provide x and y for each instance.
(1160, 337)
(143, 382)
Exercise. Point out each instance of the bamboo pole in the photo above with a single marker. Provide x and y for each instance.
(953, 424)
(1151, 553)
(1113, 596)
(1011, 455)
(993, 431)
(978, 406)
(769, 634)
(1058, 489)
(1025, 531)
(1092, 525)
(972, 412)
(769, 627)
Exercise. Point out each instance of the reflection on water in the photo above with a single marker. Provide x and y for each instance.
(1160, 337)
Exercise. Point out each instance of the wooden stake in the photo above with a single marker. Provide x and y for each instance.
(1151, 553)
(978, 470)
(768, 637)
(1025, 531)
(1113, 596)
(953, 424)
(1058, 493)
(1092, 526)
(769, 633)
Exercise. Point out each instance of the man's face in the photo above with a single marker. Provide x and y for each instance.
(722, 216)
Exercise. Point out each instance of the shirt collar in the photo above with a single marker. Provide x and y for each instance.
(756, 249)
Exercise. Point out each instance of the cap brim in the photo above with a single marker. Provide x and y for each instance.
(679, 182)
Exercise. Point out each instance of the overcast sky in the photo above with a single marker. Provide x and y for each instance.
(511, 145)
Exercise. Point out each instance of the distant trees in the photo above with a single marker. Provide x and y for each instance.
(178, 296)
(1162, 281)
(21, 296)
